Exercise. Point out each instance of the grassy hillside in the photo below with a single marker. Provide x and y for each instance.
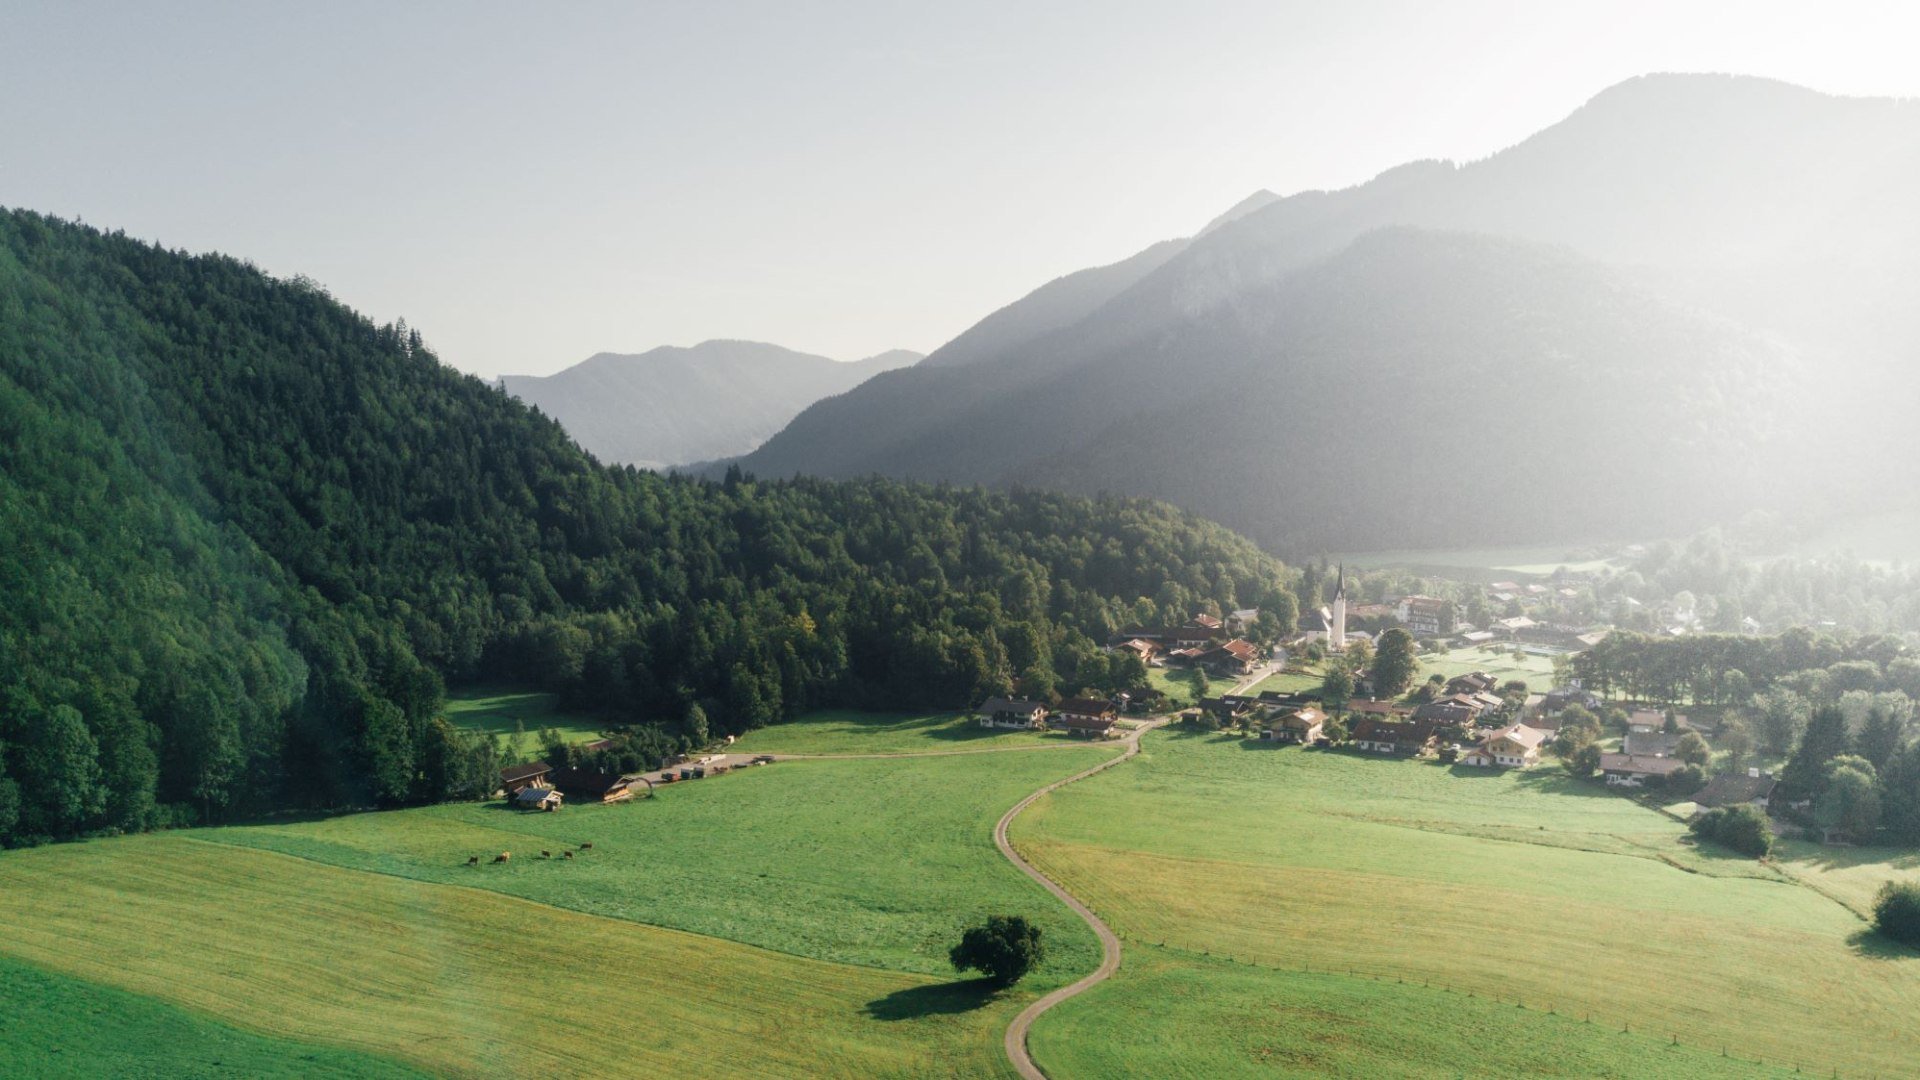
(1525, 886)
(56, 1025)
(457, 981)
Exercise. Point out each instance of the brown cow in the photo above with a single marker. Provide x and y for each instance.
(503, 856)
(546, 854)
(473, 860)
(585, 847)
(566, 854)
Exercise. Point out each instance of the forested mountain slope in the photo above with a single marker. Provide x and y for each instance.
(1779, 211)
(250, 534)
(1418, 388)
(671, 406)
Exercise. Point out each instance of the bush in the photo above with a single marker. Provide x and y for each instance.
(1004, 950)
(1742, 828)
(1896, 912)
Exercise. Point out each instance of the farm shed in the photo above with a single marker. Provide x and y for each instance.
(595, 786)
(538, 798)
(514, 778)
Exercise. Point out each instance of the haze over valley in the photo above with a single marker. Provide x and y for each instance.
(1451, 612)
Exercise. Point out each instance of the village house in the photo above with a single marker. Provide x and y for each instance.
(537, 797)
(1447, 711)
(1172, 637)
(1206, 621)
(1566, 697)
(1140, 647)
(587, 784)
(1012, 713)
(1084, 717)
(1425, 616)
(516, 778)
(1754, 788)
(1648, 721)
(1650, 743)
(1516, 746)
(1384, 737)
(1632, 770)
(1378, 708)
(1478, 682)
(1296, 726)
(1235, 657)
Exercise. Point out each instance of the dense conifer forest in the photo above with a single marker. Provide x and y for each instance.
(251, 537)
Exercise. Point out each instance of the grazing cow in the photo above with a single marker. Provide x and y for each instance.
(566, 854)
(473, 860)
(584, 847)
(546, 854)
(503, 856)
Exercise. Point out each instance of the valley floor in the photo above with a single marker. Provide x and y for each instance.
(1282, 912)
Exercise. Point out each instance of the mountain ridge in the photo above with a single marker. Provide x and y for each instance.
(672, 405)
(1684, 186)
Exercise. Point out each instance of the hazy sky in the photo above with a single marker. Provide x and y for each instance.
(530, 184)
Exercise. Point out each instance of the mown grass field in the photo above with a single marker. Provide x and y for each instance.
(467, 982)
(1224, 1018)
(500, 711)
(1534, 670)
(55, 1025)
(873, 862)
(836, 731)
(1288, 682)
(1179, 685)
(1526, 887)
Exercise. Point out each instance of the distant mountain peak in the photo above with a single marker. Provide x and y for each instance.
(676, 404)
(1256, 201)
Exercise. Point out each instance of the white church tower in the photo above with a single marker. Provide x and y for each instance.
(1337, 633)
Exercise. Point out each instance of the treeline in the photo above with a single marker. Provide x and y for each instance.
(1729, 669)
(252, 536)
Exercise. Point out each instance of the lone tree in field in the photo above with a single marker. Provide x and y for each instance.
(1003, 950)
(1394, 663)
(1896, 912)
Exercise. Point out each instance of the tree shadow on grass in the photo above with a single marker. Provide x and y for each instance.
(1873, 945)
(940, 999)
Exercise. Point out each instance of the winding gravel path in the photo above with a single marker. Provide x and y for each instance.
(1016, 1041)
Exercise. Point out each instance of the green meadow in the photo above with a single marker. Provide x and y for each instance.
(500, 711)
(873, 862)
(1174, 1013)
(1533, 669)
(789, 920)
(53, 1024)
(465, 982)
(1526, 887)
